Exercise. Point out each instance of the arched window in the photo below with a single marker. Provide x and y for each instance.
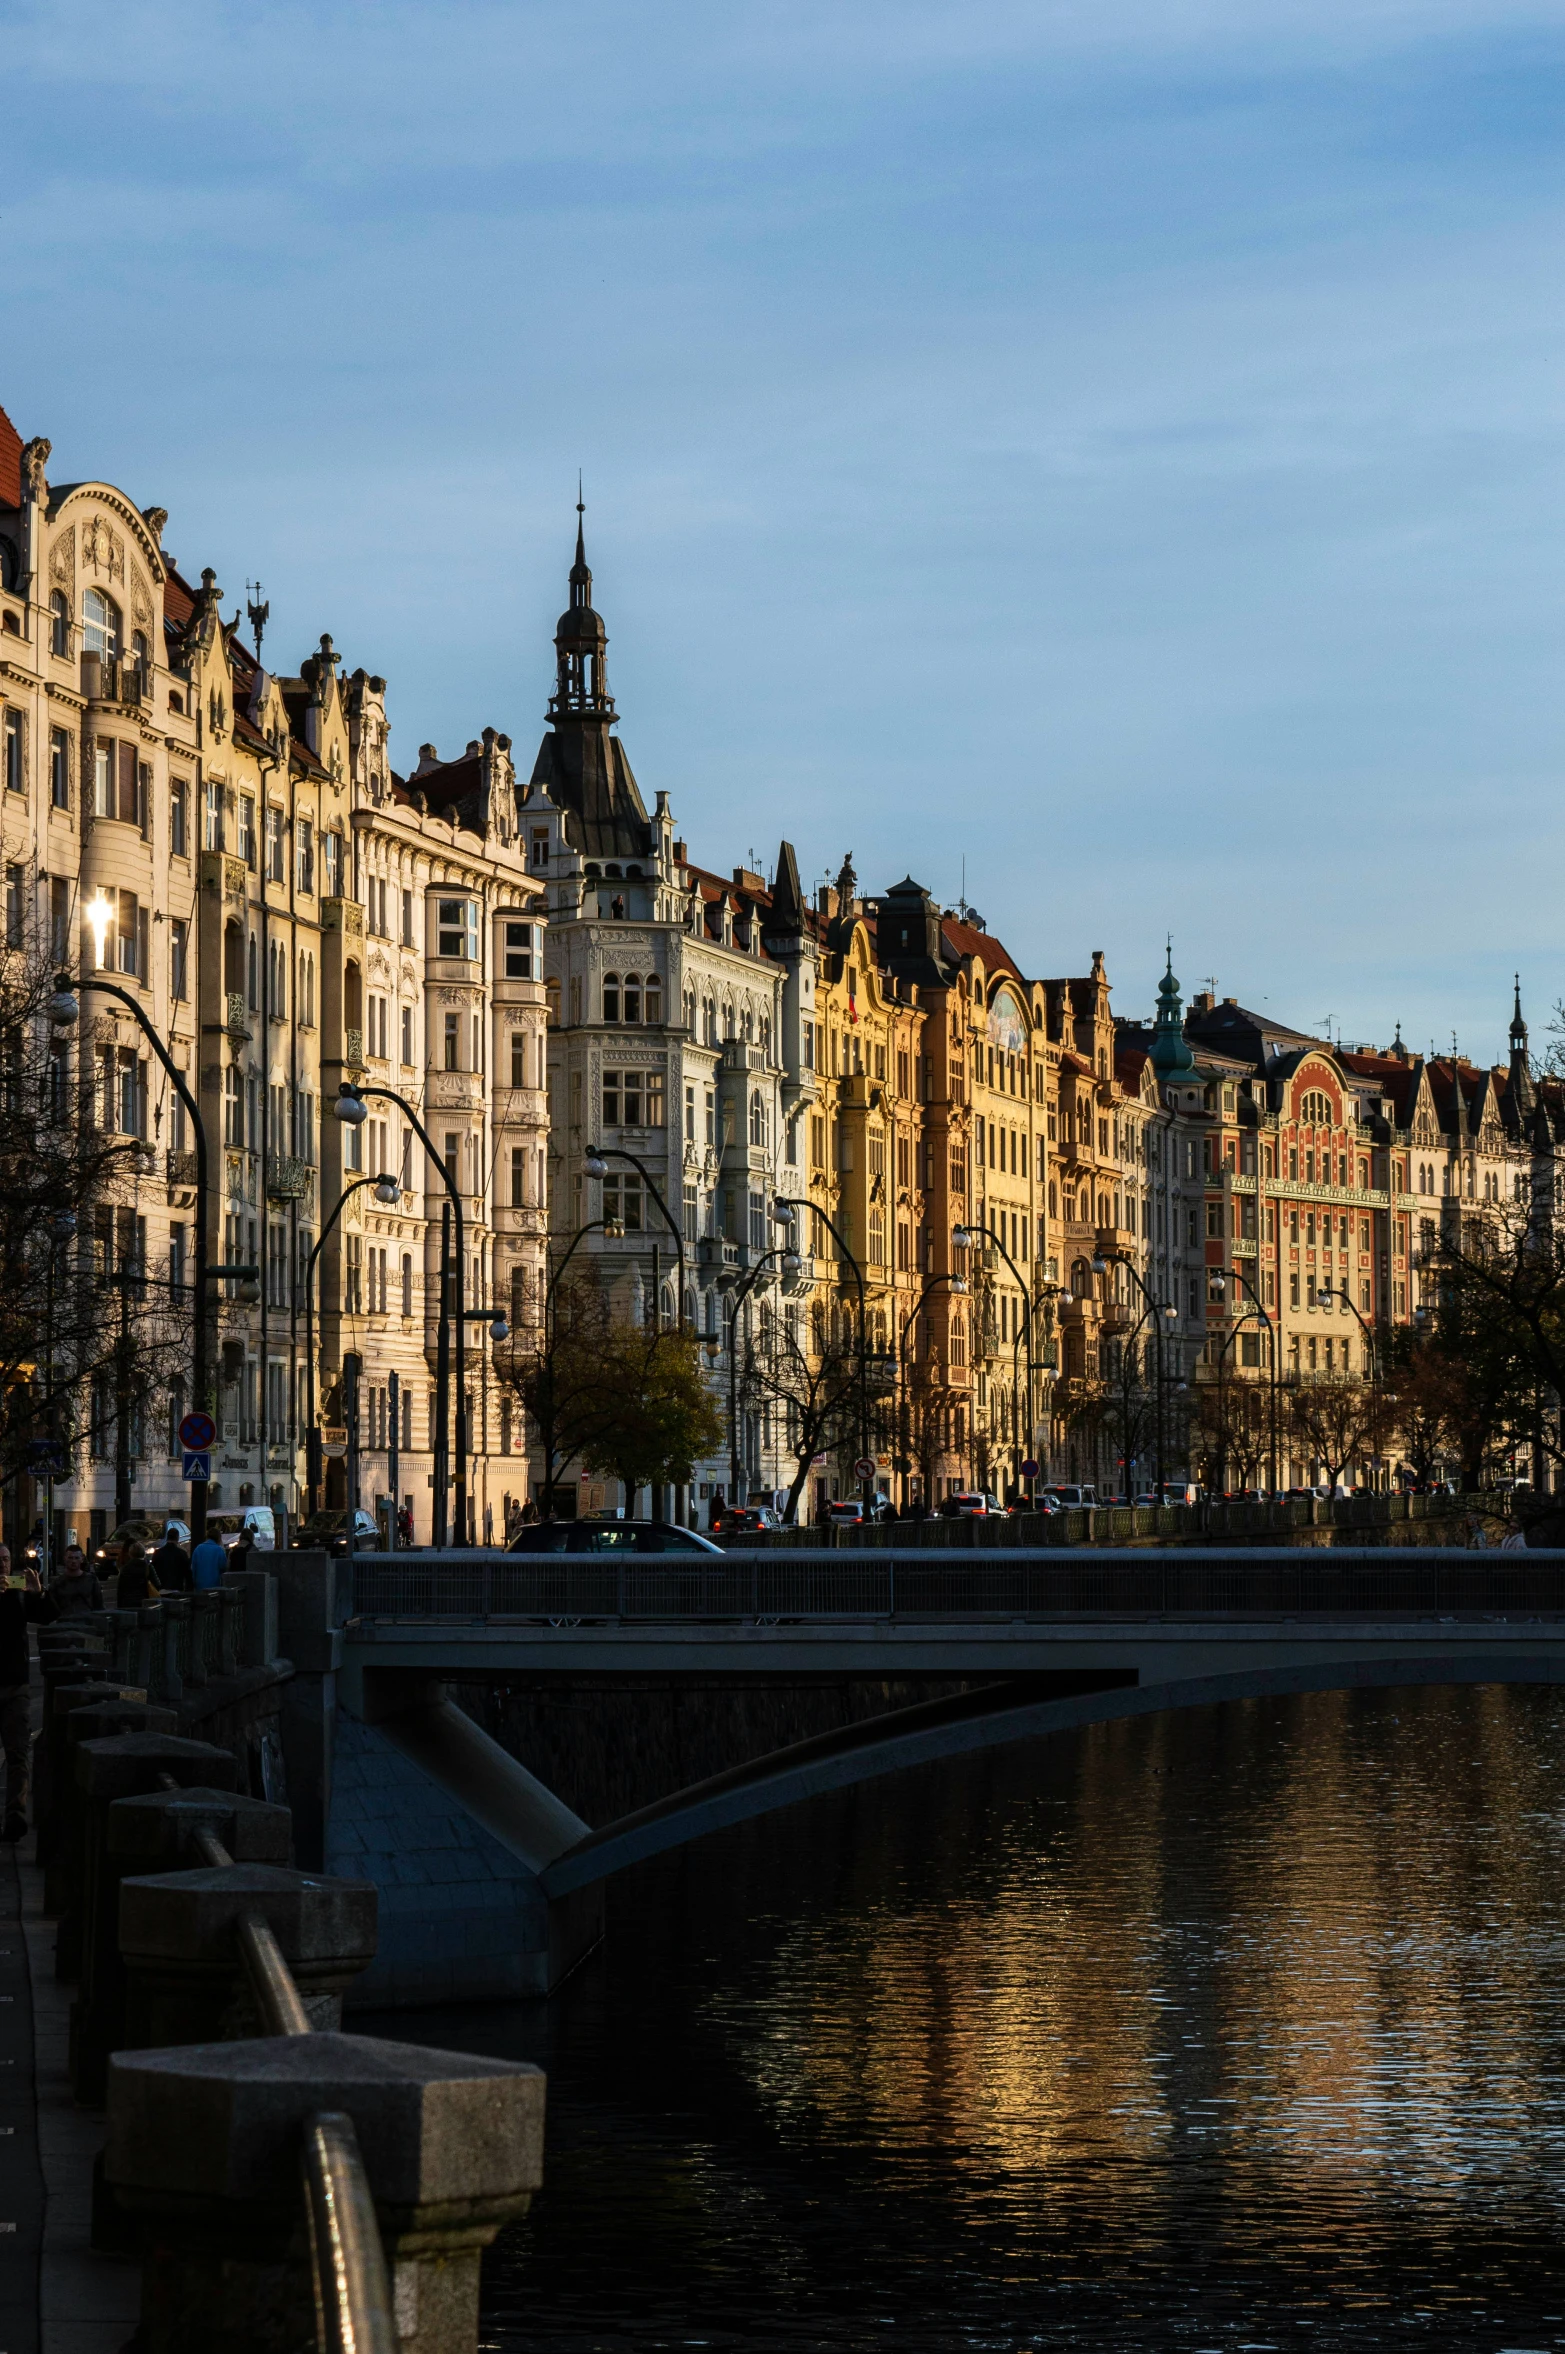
(709, 1021)
(654, 1000)
(1081, 1279)
(757, 1118)
(690, 1011)
(1315, 1109)
(141, 652)
(253, 975)
(766, 1035)
(100, 624)
(60, 623)
(632, 997)
(611, 997)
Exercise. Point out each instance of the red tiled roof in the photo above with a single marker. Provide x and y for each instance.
(966, 940)
(11, 446)
(179, 598)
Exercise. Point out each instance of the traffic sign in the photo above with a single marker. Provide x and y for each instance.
(197, 1430)
(864, 1468)
(198, 1466)
(1029, 1469)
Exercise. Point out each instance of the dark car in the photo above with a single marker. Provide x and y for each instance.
(611, 1536)
(327, 1532)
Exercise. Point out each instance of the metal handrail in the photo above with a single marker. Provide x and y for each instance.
(354, 2313)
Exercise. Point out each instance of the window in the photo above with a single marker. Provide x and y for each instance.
(179, 960)
(407, 919)
(15, 906)
(59, 768)
(632, 998)
(274, 845)
(331, 862)
(178, 821)
(407, 1034)
(623, 1099)
(622, 1203)
(15, 754)
(407, 1310)
(518, 1058)
(247, 829)
(100, 625)
(304, 856)
(60, 624)
(453, 1042)
(611, 997)
(519, 952)
(654, 1000)
(540, 846)
(212, 818)
(518, 1177)
(456, 932)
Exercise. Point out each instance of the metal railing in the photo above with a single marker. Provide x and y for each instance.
(1118, 1524)
(354, 2312)
(177, 1644)
(567, 1591)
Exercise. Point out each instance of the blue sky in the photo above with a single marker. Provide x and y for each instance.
(1119, 443)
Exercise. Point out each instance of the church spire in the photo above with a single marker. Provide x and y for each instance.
(1171, 1055)
(581, 686)
(1521, 1095)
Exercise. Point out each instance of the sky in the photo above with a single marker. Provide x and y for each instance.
(1100, 455)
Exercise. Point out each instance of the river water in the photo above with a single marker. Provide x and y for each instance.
(1237, 2029)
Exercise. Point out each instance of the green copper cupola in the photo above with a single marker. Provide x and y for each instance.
(1171, 1055)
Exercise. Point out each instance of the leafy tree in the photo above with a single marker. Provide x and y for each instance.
(659, 1416)
(1431, 1403)
(1501, 1318)
(556, 1370)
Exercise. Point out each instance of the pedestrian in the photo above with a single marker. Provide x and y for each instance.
(136, 1583)
(22, 1602)
(171, 1564)
(76, 1592)
(207, 1564)
(243, 1547)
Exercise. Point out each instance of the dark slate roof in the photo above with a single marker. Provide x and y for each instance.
(585, 772)
(1256, 1039)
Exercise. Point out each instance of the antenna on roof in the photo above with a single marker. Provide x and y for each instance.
(258, 612)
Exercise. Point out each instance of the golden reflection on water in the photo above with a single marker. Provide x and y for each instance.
(1298, 1959)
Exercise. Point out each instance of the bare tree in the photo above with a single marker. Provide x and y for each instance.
(1335, 1418)
(806, 1365)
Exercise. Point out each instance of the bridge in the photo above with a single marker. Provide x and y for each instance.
(492, 1886)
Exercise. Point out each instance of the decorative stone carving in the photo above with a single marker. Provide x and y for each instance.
(140, 600)
(62, 558)
(155, 519)
(34, 459)
(103, 549)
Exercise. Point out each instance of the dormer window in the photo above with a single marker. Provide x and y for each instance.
(539, 856)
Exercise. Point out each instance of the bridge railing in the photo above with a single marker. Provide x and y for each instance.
(770, 1586)
(1217, 1518)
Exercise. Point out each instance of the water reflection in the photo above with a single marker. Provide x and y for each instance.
(1242, 2028)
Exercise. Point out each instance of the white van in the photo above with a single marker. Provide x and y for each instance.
(1074, 1499)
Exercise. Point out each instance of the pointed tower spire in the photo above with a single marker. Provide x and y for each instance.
(581, 764)
(1171, 1055)
(1520, 1094)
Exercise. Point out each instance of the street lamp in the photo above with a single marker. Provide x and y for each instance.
(1274, 1343)
(1163, 1311)
(597, 1166)
(386, 1190)
(784, 1208)
(352, 1109)
(958, 1287)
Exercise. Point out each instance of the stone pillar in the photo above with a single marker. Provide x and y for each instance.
(106, 1771)
(205, 2146)
(309, 1635)
(65, 1689)
(178, 1935)
(98, 1720)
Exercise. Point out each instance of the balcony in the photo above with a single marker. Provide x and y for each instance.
(179, 1168)
(236, 1018)
(115, 678)
(288, 1179)
(715, 1252)
(353, 1050)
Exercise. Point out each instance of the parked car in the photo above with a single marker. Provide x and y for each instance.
(745, 1520)
(849, 1511)
(1073, 1497)
(611, 1536)
(327, 1532)
(139, 1531)
(1043, 1502)
(971, 1504)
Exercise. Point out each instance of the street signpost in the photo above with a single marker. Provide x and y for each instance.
(198, 1467)
(864, 1468)
(197, 1432)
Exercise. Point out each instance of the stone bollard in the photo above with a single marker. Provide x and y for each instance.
(105, 1770)
(96, 1720)
(205, 2145)
(71, 1686)
(178, 1934)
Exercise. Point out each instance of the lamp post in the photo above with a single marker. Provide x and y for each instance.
(783, 1208)
(1159, 1309)
(64, 1013)
(965, 1237)
(386, 1190)
(1274, 1344)
(598, 1158)
(958, 1285)
(741, 1292)
(350, 1108)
